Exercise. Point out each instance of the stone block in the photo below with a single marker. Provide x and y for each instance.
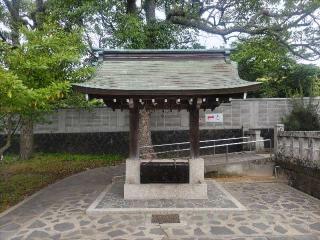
(165, 191)
(132, 171)
(196, 170)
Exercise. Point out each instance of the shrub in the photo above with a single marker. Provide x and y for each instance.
(303, 117)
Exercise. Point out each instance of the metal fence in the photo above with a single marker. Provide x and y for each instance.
(245, 142)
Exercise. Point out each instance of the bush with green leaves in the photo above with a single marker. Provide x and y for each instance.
(303, 117)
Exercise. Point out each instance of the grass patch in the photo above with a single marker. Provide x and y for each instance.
(19, 179)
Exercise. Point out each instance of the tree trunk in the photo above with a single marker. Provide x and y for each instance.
(8, 130)
(145, 135)
(144, 115)
(150, 9)
(26, 138)
(131, 7)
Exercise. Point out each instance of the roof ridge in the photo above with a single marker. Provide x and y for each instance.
(225, 51)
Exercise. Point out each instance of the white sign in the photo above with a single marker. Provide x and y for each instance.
(214, 117)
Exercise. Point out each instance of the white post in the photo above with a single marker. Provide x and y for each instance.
(278, 128)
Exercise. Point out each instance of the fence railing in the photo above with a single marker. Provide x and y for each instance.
(214, 146)
(203, 141)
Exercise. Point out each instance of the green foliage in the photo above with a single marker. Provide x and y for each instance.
(19, 179)
(78, 100)
(47, 55)
(261, 57)
(16, 98)
(37, 73)
(12, 93)
(43, 67)
(303, 117)
(73, 12)
(133, 33)
(266, 60)
(304, 78)
(129, 32)
(113, 27)
(299, 80)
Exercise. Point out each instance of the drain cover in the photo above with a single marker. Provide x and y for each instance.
(165, 218)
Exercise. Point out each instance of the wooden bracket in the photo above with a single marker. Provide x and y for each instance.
(199, 102)
(131, 103)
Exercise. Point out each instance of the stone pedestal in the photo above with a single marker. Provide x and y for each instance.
(255, 135)
(195, 189)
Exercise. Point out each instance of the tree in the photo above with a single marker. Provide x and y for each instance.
(17, 100)
(48, 55)
(303, 79)
(264, 59)
(12, 99)
(294, 24)
(260, 57)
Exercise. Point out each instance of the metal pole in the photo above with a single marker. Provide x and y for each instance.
(270, 150)
(227, 151)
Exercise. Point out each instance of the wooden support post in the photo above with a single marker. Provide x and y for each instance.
(194, 131)
(134, 129)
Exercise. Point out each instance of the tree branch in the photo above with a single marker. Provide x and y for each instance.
(224, 18)
(3, 38)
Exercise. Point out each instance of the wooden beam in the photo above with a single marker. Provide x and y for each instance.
(134, 130)
(194, 130)
(156, 102)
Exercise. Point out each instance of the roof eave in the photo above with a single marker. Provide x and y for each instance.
(188, 92)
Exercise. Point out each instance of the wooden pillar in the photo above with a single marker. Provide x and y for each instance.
(194, 131)
(134, 129)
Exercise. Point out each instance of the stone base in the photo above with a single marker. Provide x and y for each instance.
(195, 189)
(165, 191)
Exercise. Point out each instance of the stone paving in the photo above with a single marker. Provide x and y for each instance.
(274, 212)
(112, 199)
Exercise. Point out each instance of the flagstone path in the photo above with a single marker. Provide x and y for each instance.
(275, 211)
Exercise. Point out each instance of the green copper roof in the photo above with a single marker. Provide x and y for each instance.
(172, 73)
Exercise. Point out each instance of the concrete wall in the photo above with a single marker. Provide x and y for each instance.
(262, 113)
(301, 148)
(298, 155)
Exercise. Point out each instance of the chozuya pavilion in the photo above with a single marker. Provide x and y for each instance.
(165, 79)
